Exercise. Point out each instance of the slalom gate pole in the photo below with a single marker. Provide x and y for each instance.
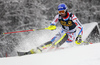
(25, 31)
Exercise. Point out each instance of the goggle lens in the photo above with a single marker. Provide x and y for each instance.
(61, 12)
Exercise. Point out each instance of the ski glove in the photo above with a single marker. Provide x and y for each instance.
(78, 39)
(51, 27)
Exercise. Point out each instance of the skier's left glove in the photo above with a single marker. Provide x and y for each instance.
(78, 39)
(51, 27)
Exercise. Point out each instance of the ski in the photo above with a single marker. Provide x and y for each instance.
(83, 43)
(22, 53)
(52, 48)
(86, 43)
(27, 53)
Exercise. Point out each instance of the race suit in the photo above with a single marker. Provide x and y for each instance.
(69, 26)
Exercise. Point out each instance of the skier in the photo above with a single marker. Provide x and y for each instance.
(67, 33)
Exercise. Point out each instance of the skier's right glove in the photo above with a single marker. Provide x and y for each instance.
(51, 27)
(78, 39)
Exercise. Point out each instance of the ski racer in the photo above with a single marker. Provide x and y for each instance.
(69, 23)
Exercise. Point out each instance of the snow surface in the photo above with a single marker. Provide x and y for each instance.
(78, 55)
(73, 55)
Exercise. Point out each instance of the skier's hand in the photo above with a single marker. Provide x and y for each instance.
(78, 39)
(51, 27)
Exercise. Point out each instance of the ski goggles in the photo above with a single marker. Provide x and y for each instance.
(61, 12)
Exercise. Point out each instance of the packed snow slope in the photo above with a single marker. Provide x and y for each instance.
(73, 55)
(78, 55)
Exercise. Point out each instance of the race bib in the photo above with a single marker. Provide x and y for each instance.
(69, 23)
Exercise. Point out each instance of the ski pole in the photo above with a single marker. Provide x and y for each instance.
(25, 31)
(83, 42)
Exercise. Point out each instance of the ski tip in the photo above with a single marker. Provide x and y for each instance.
(21, 53)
